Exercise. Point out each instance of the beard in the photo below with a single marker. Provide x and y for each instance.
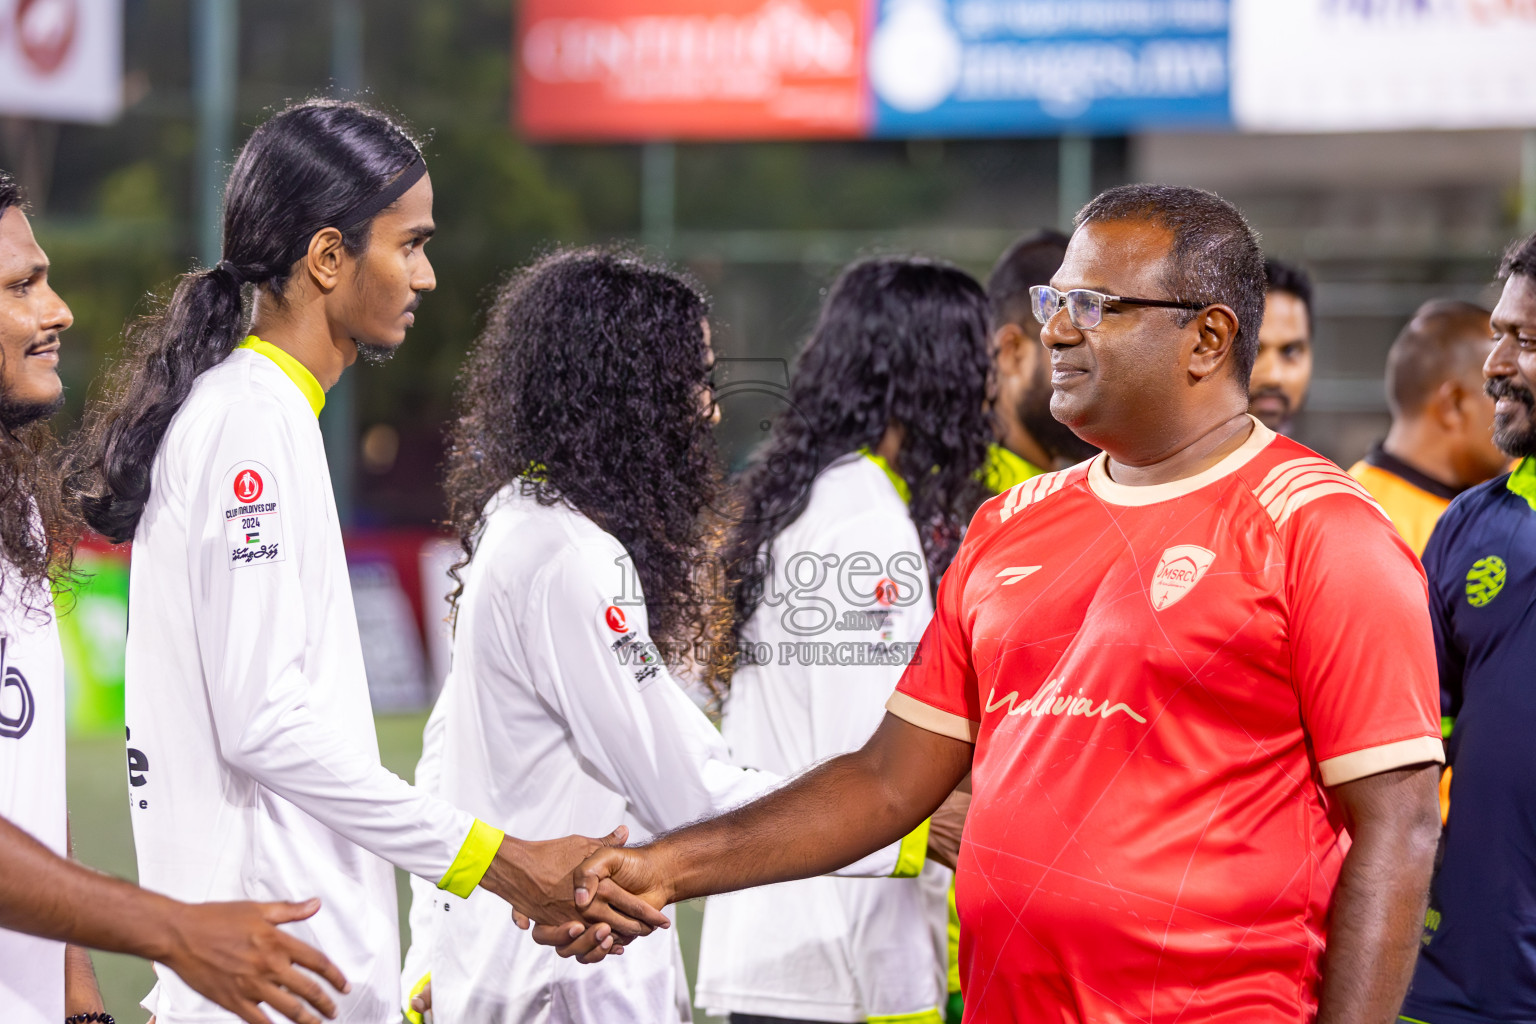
(375, 355)
(15, 413)
(1050, 433)
(1514, 434)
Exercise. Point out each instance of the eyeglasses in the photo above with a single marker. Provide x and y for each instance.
(1086, 308)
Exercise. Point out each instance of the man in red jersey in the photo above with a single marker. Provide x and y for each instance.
(1183, 675)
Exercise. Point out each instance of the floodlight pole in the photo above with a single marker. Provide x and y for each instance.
(658, 194)
(1528, 183)
(215, 74)
(1074, 177)
(338, 420)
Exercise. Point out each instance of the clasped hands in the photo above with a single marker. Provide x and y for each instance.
(575, 897)
(616, 893)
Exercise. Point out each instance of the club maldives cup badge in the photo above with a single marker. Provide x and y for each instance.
(253, 526)
(1177, 572)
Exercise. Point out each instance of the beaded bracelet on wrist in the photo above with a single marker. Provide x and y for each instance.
(90, 1018)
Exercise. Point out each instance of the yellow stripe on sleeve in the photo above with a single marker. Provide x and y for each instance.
(921, 1017)
(410, 1014)
(473, 860)
(912, 856)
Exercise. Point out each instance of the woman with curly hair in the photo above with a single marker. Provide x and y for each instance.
(579, 471)
(848, 515)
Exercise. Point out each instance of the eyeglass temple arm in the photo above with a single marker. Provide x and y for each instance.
(1164, 303)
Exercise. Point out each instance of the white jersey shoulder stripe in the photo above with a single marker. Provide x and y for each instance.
(1283, 476)
(1037, 488)
(1299, 482)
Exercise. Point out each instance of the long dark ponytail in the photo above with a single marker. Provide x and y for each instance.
(303, 170)
(900, 340)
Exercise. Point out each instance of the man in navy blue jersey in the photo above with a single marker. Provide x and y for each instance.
(1478, 963)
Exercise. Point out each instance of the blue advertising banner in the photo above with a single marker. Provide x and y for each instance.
(1025, 67)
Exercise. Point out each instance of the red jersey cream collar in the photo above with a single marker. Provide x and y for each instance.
(1124, 494)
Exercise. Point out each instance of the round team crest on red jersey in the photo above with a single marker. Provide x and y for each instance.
(248, 486)
(615, 619)
(885, 593)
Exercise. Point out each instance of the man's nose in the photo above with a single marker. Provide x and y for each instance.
(425, 278)
(1501, 362)
(56, 315)
(1059, 331)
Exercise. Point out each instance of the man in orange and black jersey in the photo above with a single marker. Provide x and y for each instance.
(1441, 441)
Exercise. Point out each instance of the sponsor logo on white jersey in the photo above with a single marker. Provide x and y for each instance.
(1177, 572)
(248, 485)
(1052, 699)
(253, 525)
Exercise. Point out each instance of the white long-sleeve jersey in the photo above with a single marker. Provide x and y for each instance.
(254, 765)
(559, 717)
(31, 786)
(842, 614)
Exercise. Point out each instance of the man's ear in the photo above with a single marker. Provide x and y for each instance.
(1447, 405)
(324, 258)
(1010, 342)
(1215, 337)
(1018, 351)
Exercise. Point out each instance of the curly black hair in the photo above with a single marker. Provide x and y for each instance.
(38, 527)
(588, 383)
(900, 341)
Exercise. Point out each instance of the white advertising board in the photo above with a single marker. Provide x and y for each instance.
(1365, 65)
(61, 60)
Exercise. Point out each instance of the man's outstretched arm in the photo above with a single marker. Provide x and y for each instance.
(1378, 909)
(830, 816)
(233, 953)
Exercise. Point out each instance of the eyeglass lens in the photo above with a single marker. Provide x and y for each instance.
(1084, 308)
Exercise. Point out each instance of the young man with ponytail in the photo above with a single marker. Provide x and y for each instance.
(246, 695)
(232, 952)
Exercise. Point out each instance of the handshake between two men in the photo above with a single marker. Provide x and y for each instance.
(827, 818)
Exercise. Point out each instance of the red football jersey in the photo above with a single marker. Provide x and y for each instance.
(1161, 682)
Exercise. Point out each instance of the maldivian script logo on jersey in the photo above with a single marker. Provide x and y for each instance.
(1052, 699)
(1177, 572)
(248, 485)
(1485, 579)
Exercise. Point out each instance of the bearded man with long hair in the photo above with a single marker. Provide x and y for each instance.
(233, 953)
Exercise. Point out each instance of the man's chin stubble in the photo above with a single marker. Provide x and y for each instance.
(16, 414)
(375, 355)
(1518, 440)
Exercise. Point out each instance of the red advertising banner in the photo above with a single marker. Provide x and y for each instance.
(717, 69)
